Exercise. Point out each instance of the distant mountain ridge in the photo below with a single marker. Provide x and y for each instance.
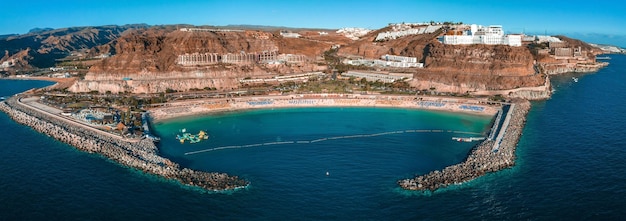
(2, 37)
(38, 30)
(41, 46)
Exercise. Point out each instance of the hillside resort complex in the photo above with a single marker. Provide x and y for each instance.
(478, 34)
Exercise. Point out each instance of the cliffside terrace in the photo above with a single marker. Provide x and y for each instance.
(200, 59)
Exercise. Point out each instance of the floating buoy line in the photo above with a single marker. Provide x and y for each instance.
(329, 138)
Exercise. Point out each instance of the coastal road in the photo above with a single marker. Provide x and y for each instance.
(31, 102)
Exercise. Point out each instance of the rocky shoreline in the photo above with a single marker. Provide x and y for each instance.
(483, 159)
(560, 68)
(142, 155)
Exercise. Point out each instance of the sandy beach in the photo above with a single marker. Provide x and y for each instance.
(495, 153)
(207, 106)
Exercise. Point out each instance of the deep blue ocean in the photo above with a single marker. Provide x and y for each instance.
(570, 164)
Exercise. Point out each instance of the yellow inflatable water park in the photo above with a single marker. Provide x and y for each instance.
(192, 138)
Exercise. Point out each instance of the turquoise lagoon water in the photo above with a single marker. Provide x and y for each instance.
(569, 166)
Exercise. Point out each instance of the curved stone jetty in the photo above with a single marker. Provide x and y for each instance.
(141, 155)
(488, 156)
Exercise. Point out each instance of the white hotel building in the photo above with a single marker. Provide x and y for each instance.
(388, 61)
(478, 34)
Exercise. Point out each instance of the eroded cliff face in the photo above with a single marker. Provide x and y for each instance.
(219, 77)
(565, 67)
(579, 61)
(148, 57)
(156, 50)
(468, 68)
(455, 68)
(310, 46)
(20, 60)
(496, 60)
(411, 46)
(461, 83)
(153, 86)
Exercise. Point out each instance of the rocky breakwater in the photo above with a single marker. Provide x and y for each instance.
(141, 155)
(483, 158)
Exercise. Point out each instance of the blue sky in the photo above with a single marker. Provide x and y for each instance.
(580, 18)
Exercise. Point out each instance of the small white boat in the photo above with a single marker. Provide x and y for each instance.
(575, 79)
(327, 173)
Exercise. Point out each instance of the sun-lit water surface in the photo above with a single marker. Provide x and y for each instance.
(569, 165)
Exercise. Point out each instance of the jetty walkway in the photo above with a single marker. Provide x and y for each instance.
(141, 155)
(489, 156)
